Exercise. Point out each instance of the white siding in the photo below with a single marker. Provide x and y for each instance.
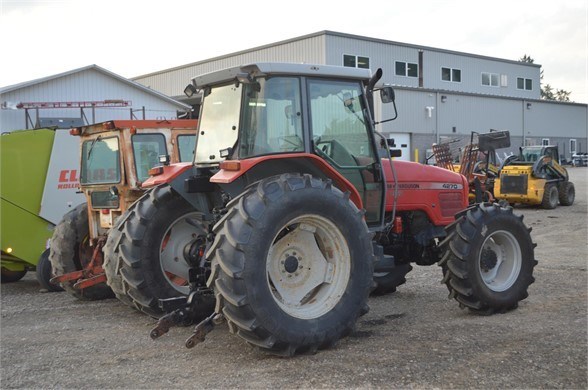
(87, 85)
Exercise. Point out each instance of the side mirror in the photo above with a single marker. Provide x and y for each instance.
(387, 95)
(395, 153)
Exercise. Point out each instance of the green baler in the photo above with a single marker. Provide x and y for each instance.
(38, 185)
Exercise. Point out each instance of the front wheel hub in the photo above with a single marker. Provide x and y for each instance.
(488, 260)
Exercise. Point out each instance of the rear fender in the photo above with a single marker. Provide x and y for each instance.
(258, 168)
(168, 173)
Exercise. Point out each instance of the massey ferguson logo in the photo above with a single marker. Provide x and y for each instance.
(68, 179)
(427, 186)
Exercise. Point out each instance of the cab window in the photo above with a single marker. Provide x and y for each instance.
(146, 149)
(100, 161)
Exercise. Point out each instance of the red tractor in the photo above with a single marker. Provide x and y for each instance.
(297, 218)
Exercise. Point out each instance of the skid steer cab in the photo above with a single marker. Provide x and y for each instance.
(296, 219)
(115, 158)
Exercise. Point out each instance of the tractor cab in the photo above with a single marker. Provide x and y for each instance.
(264, 119)
(116, 157)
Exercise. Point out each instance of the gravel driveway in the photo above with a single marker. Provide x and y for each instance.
(414, 338)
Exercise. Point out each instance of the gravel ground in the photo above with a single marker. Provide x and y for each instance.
(415, 338)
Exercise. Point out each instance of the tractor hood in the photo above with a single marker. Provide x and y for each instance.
(438, 192)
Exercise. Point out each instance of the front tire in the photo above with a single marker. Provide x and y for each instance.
(71, 251)
(292, 265)
(148, 251)
(387, 282)
(488, 259)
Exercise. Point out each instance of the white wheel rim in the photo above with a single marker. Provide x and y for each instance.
(308, 267)
(171, 250)
(500, 261)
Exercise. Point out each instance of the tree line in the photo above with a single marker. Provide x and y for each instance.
(547, 91)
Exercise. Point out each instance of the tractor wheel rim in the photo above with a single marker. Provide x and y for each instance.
(308, 267)
(500, 261)
(180, 233)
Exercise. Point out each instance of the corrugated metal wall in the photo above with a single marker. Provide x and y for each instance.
(172, 82)
(384, 55)
(456, 116)
(88, 85)
(471, 75)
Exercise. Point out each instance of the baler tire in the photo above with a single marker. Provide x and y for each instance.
(45, 273)
(488, 259)
(70, 239)
(567, 193)
(550, 197)
(8, 276)
(144, 236)
(387, 282)
(269, 302)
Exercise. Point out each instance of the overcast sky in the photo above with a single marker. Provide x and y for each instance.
(43, 37)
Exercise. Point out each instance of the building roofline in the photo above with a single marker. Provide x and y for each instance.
(106, 72)
(332, 33)
(485, 95)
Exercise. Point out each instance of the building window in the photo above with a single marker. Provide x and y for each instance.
(450, 74)
(545, 142)
(356, 61)
(573, 146)
(523, 83)
(407, 69)
(490, 79)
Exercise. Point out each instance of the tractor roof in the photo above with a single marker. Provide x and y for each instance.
(280, 68)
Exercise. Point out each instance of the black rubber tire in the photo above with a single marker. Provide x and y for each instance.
(8, 276)
(136, 250)
(70, 252)
(462, 258)
(240, 272)
(113, 263)
(45, 273)
(567, 193)
(387, 282)
(550, 197)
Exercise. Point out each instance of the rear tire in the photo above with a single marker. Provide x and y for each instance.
(45, 273)
(292, 265)
(488, 259)
(148, 251)
(567, 193)
(550, 197)
(8, 276)
(71, 251)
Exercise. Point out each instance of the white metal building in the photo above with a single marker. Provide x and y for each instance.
(81, 96)
(441, 94)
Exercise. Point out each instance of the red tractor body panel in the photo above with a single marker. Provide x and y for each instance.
(438, 192)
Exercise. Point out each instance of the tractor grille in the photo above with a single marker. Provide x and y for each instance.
(513, 184)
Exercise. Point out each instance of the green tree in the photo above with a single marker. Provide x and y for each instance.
(547, 91)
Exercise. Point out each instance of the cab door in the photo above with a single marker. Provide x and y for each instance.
(342, 134)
